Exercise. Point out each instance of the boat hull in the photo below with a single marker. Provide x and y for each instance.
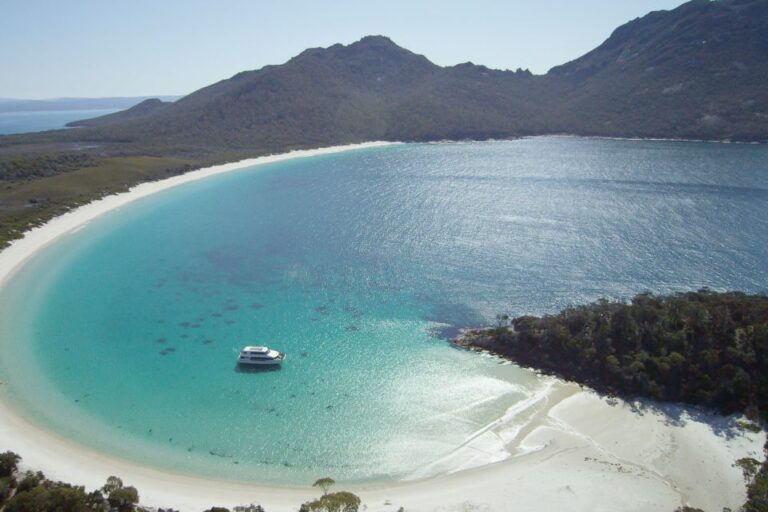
(262, 362)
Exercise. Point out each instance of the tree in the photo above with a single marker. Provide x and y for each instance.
(525, 323)
(324, 483)
(124, 499)
(749, 467)
(9, 463)
(612, 364)
(30, 481)
(336, 502)
(96, 501)
(113, 483)
(52, 497)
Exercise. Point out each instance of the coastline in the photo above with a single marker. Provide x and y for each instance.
(39, 237)
(567, 455)
(598, 137)
(658, 139)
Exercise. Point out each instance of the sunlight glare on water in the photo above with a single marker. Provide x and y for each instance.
(124, 335)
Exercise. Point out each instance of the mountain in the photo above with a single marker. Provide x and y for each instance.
(143, 109)
(371, 89)
(697, 71)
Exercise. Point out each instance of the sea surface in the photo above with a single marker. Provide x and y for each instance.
(38, 121)
(123, 336)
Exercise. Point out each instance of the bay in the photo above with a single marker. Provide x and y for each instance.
(124, 335)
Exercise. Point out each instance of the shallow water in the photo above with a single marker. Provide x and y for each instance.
(124, 335)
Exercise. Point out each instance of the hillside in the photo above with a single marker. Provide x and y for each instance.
(694, 72)
(146, 107)
(371, 89)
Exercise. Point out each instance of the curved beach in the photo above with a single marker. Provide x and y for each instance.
(569, 453)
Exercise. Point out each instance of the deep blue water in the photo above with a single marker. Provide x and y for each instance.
(38, 121)
(124, 334)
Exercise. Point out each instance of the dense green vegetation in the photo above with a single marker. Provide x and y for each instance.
(702, 348)
(757, 491)
(32, 492)
(40, 166)
(334, 502)
(32, 195)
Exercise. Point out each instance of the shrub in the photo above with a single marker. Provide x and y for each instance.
(335, 502)
(9, 462)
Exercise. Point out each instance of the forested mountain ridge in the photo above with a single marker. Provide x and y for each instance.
(697, 71)
(371, 89)
(693, 72)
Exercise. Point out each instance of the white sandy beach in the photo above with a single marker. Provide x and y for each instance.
(570, 449)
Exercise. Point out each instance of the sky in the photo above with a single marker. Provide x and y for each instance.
(99, 48)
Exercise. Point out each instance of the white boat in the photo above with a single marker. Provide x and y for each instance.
(260, 355)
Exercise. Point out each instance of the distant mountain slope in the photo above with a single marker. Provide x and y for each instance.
(142, 110)
(697, 71)
(371, 89)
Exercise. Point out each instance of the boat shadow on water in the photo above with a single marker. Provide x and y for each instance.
(245, 368)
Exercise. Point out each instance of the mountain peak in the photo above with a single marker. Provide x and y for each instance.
(372, 48)
(376, 41)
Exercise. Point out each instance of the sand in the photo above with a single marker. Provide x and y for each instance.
(567, 449)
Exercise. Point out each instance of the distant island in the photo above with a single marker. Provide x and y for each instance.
(702, 348)
(59, 104)
(695, 72)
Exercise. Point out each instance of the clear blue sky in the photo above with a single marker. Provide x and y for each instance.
(93, 48)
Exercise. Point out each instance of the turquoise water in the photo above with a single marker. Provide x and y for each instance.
(123, 335)
(38, 121)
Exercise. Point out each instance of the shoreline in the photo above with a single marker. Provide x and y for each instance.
(658, 139)
(34, 239)
(564, 456)
(595, 137)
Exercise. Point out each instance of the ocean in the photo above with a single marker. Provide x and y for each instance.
(38, 121)
(123, 335)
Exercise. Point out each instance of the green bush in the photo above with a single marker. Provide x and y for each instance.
(335, 502)
(9, 462)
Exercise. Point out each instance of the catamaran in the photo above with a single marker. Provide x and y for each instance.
(260, 355)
